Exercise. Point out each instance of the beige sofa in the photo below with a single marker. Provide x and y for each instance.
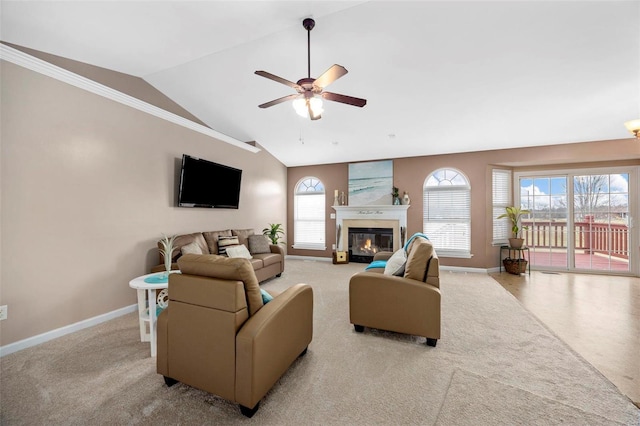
(407, 304)
(217, 334)
(265, 265)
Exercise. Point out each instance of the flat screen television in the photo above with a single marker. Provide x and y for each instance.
(207, 184)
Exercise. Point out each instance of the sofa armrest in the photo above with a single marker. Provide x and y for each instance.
(278, 249)
(161, 268)
(271, 340)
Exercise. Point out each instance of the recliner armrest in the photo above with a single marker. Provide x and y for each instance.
(382, 255)
(271, 340)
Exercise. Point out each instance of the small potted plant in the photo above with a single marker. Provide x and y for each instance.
(515, 216)
(273, 232)
(167, 252)
(395, 193)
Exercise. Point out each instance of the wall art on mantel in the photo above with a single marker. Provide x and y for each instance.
(370, 183)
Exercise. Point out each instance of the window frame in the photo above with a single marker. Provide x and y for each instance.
(311, 189)
(428, 188)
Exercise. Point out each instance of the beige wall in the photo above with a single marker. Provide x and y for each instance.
(87, 187)
(410, 174)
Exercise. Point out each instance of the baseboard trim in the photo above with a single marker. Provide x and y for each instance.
(463, 269)
(297, 257)
(59, 332)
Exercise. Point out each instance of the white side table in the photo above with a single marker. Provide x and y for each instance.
(149, 316)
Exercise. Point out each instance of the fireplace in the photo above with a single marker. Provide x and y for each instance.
(366, 242)
(392, 219)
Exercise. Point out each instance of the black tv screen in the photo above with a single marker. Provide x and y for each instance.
(207, 184)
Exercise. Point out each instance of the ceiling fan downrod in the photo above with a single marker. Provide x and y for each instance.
(308, 25)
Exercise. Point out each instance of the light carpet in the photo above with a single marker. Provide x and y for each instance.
(495, 364)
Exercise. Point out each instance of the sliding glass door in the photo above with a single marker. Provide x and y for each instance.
(578, 221)
(546, 232)
(601, 221)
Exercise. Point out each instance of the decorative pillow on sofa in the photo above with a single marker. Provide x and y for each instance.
(239, 251)
(211, 238)
(258, 244)
(191, 248)
(225, 242)
(418, 260)
(243, 235)
(266, 297)
(396, 263)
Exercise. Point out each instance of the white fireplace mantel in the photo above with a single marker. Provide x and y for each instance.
(350, 215)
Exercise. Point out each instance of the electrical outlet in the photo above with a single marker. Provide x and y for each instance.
(333, 246)
(3, 312)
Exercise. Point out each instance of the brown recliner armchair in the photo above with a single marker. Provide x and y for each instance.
(218, 336)
(407, 304)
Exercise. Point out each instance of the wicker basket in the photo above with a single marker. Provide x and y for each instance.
(515, 266)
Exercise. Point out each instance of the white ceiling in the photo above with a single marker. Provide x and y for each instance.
(439, 77)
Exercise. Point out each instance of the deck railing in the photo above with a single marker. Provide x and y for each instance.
(590, 236)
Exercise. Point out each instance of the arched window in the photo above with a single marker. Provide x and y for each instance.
(309, 215)
(447, 212)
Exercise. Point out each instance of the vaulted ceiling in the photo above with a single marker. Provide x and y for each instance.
(439, 77)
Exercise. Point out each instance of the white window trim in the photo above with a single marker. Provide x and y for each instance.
(463, 253)
(309, 245)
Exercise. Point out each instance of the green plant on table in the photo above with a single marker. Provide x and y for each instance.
(515, 216)
(274, 232)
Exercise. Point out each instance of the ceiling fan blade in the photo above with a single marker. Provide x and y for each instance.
(349, 100)
(279, 80)
(279, 101)
(332, 74)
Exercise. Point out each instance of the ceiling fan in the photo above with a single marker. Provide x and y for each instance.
(308, 101)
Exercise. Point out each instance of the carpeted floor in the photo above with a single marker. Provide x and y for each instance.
(495, 364)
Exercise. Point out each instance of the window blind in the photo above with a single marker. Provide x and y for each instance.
(309, 221)
(447, 219)
(501, 198)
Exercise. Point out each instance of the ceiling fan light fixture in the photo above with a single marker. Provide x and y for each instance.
(633, 126)
(302, 106)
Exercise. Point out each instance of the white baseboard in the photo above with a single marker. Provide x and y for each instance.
(297, 257)
(59, 332)
(463, 269)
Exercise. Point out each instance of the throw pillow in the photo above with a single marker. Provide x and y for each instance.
(242, 234)
(239, 251)
(396, 263)
(259, 244)
(211, 239)
(224, 242)
(266, 297)
(192, 248)
(418, 260)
